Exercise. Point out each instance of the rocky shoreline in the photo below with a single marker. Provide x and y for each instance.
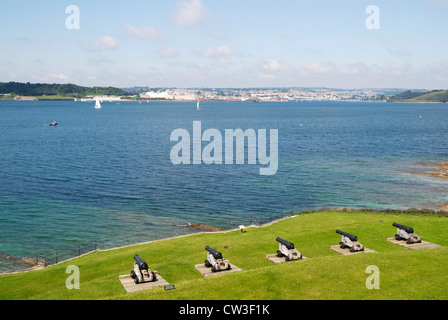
(204, 227)
(31, 262)
(436, 170)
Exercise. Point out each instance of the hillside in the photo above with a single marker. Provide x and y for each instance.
(58, 90)
(404, 273)
(426, 96)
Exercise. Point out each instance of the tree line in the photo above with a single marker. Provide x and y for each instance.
(44, 89)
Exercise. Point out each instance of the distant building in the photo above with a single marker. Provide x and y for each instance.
(157, 95)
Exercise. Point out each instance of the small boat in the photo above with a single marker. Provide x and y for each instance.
(53, 124)
(97, 104)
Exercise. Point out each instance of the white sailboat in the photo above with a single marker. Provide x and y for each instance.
(197, 106)
(97, 104)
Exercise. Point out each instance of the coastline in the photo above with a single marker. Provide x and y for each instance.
(207, 229)
(436, 170)
(119, 99)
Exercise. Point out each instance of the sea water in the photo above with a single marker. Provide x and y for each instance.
(104, 178)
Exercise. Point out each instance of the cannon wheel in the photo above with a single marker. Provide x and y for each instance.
(207, 264)
(154, 277)
(229, 267)
(279, 253)
(397, 237)
(213, 269)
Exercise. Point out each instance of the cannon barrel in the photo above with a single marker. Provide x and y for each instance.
(141, 264)
(348, 235)
(405, 228)
(215, 253)
(287, 244)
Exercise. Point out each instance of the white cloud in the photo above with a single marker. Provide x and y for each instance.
(189, 13)
(98, 60)
(104, 42)
(396, 51)
(169, 52)
(272, 65)
(320, 68)
(58, 76)
(218, 52)
(50, 77)
(147, 33)
(355, 69)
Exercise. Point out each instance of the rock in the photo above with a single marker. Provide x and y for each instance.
(204, 227)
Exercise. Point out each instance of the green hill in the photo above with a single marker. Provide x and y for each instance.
(426, 96)
(404, 273)
(58, 90)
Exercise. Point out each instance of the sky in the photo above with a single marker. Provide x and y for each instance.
(226, 44)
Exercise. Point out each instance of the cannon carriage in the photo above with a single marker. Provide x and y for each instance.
(349, 241)
(287, 250)
(406, 233)
(215, 260)
(141, 272)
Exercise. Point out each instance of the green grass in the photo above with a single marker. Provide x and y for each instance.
(404, 274)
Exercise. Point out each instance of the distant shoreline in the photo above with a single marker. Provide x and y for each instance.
(21, 99)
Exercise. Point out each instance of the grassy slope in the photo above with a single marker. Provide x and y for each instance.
(404, 274)
(431, 97)
(438, 96)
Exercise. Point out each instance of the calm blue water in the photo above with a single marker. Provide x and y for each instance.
(351, 154)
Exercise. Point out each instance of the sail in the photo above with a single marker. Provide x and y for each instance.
(197, 106)
(97, 104)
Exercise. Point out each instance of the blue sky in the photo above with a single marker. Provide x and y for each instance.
(209, 43)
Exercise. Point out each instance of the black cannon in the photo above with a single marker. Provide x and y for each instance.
(141, 272)
(349, 241)
(406, 233)
(287, 244)
(348, 235)
(287, 250)
(215, 260)
(405, 228)
(216, 254)
(141, 264)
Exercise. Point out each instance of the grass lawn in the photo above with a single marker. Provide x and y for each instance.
(404, 273)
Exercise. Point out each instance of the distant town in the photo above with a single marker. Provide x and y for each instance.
(258, 95)
(203, 94)
(28, 91)
(291, 94)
